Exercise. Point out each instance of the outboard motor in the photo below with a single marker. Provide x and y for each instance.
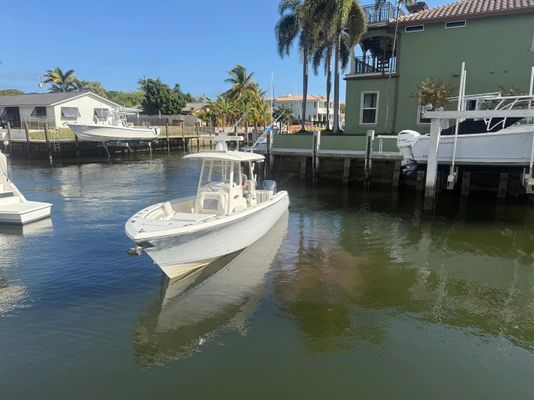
(405, 140)
(269, 185)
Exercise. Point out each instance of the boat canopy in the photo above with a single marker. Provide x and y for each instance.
(228, 156)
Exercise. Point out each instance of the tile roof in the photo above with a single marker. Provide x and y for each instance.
(466, 9)
(295, 98)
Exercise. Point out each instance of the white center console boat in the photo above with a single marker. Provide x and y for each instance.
(228, 213)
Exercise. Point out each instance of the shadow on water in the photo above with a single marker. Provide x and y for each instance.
(365, 256)
(221, 296)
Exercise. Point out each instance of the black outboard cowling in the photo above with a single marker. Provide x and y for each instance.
(269, 185)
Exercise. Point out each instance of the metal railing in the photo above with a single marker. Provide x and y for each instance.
(373, 65)
(383, 14)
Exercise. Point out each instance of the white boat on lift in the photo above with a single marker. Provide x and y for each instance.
(505, 141)
(14, 208)
(227, 214)
(113, 127)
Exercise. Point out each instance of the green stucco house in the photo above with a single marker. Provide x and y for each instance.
(494, 37)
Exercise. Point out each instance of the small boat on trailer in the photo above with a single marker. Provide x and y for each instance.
(113, 127)
(14, 207)
(227, 214)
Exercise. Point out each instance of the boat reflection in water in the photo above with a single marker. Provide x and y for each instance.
(222, 295)
(33, 228)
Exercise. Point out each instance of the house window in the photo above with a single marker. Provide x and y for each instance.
(369, 108)
(11, 115)
(414, 28)
(70, 113)
(454, 24)
(102, 113)
(39, 112)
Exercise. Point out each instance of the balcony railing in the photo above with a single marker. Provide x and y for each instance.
(383, 14)
(374, 65)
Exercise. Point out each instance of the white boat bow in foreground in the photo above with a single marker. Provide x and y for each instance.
(227, 214)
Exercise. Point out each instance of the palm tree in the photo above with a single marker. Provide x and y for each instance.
(290, 26)
(241, 82)
(378, 4)
(343, 23)
(62, 81)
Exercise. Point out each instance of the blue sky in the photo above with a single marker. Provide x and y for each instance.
(116, 42)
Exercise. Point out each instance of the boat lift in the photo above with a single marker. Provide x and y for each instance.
(503, 110)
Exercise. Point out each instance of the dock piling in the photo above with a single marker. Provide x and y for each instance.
(466, 183)
(503, 185)
(27, 133)
(48, 148)
(432, 164)
(9, 138)
(346, 170)
(368, 151)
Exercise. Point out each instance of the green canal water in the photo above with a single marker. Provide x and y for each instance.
(354, 294)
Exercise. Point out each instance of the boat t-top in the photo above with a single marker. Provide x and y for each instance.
(113, 127)
(227, 214)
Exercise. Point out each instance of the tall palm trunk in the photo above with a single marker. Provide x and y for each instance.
(304, 88)
(328, 89)
(335, 128)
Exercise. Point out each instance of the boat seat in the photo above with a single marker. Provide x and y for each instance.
(212, 203)
(168, 211)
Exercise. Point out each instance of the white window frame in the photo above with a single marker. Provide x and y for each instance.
(414, 26)
(455, 22)
(362, 95)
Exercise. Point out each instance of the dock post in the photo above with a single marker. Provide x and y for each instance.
(503, 185)
(368, 151)
(184, 146)
(167, 135)
(268, 156)
(346, 170)
(432, 164)
(466, 183)
(396, 174)
(77, 146)
(420, 184)
(303, 167)
(198, 139)
(27, 133)
(10, 138)
(48, 149)
(315, 154)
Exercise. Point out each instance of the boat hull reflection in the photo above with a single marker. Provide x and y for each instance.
(222, 295)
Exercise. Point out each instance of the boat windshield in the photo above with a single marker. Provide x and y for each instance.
(216, 172)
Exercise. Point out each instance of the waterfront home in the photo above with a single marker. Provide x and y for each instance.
(56, 109)
(316, 110)
(494, 38)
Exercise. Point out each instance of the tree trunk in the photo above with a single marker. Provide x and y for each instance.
(328, 89)
(304, 88)
(335, 128)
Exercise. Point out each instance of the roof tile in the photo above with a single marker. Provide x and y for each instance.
(469, 9)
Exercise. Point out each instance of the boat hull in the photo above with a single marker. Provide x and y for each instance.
(24, 212)
(106, 133)
(180, 254)
(510, 147)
